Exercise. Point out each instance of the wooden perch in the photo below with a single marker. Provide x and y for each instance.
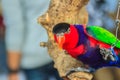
(73, 12)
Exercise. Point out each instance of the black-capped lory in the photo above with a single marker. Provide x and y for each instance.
(90, 44)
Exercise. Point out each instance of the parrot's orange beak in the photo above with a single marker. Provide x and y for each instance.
(61, 40)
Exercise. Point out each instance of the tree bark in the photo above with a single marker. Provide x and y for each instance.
(73, 12)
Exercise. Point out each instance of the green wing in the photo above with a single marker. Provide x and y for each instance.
(103, 35)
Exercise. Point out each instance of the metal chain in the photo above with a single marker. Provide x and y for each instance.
(117, 19)
(117, 22)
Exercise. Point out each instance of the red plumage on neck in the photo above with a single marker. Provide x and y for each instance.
(71, 39)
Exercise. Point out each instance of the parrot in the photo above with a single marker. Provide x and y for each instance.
(93, 45)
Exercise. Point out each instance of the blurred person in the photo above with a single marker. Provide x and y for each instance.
(1, 23)
(99, 13)
(1, 26)
(23, 36)
(3, 67)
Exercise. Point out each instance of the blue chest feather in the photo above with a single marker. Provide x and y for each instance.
(82, 36)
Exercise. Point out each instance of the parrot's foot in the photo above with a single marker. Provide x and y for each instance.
(80, 69)
(107, 54)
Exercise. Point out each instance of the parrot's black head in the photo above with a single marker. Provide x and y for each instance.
(61, 28)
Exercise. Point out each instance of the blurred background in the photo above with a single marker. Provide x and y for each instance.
(20, 35)
(3, 65)
(101, 13)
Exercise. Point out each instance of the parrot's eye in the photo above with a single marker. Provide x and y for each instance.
(68, 31)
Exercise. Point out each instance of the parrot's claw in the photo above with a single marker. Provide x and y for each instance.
(78, 69)
(107, 54)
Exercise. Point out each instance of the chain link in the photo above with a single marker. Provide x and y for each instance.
(117, 24)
